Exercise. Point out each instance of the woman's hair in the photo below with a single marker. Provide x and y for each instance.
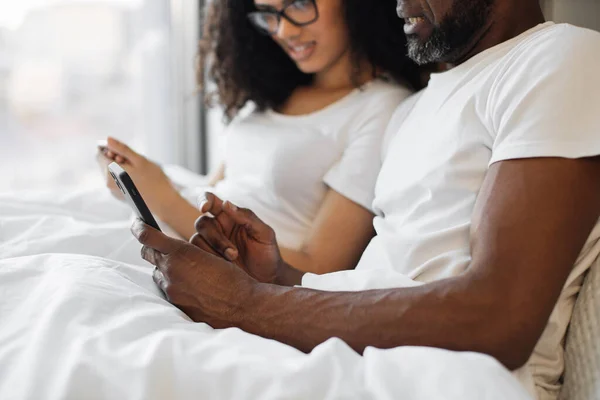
(248, 66)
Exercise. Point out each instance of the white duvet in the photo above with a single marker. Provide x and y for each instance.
(80, 318)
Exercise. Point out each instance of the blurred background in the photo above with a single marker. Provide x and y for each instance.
(75, 71)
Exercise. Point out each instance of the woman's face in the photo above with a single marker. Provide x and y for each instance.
(315, 47)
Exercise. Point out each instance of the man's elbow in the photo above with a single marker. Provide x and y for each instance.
(513, 359)
(513, 342)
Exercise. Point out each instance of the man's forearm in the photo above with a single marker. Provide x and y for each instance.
(439, 315)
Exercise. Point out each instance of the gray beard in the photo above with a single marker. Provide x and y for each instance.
(450, 40)
(434, 50)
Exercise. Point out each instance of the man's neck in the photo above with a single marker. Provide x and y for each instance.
(506, 24)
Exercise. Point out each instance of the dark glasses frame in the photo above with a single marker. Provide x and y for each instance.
(255, 15)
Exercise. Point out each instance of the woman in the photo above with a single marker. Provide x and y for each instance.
(318, 81)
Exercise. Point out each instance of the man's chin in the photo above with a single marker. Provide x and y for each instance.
(431, 51)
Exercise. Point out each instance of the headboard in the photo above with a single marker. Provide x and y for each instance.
(582, 356)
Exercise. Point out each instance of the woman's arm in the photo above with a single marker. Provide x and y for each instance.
(163, 199)
(339, 235)
(181, 215)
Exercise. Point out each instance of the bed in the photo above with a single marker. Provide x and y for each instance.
(82, 319)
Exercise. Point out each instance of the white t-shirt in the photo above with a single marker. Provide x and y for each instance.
(537, 95)
(281, 166)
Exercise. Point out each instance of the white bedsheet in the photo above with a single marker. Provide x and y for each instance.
(80, 318)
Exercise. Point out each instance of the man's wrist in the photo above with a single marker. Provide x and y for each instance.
(288, 275)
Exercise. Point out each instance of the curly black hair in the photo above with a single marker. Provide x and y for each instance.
(247, 66)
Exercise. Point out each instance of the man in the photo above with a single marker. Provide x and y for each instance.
(489, 197)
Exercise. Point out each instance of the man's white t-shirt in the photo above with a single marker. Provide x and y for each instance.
(537, 95)
(281, 166)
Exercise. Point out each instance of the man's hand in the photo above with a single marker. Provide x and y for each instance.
(239, 236)
(207, 288)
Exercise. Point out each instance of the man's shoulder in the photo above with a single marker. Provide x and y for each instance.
(561, 42)
(547, 57)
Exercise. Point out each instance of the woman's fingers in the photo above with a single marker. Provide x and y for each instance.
(120, 149)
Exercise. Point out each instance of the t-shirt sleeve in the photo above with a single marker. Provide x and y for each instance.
(547, 101)
(355, 173)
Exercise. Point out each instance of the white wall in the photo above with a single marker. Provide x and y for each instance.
(584, 13)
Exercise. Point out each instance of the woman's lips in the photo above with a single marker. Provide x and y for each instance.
(301, 52)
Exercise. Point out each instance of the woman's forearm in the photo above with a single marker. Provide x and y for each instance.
(179, 214)
(306, 262)
(298, 260)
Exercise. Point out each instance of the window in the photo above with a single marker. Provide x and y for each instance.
(75, 71)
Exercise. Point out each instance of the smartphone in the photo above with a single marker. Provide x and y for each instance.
(132, 195)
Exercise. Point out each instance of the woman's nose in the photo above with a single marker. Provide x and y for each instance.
(287, 30)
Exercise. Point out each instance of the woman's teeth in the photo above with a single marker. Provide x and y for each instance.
(298, 49)
(301, 52)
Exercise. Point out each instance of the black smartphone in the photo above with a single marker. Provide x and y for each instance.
(132, 195)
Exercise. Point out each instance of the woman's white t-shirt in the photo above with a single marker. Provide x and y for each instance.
(281, 166)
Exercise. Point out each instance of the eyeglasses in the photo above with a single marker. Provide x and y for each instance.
(298, 12)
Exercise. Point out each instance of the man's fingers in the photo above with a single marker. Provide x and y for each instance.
(160, 280)
(153, 238)
(205, 202)
(254, 226)
(202, 244)
(211, 203)
(209, 231)
(150, 255)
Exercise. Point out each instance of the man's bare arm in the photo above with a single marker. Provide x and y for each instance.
(531, 221)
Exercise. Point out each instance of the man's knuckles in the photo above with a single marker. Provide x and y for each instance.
(202, 222)
(144, 235)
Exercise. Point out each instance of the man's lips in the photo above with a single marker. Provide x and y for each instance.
(414, 20)
(415, 24)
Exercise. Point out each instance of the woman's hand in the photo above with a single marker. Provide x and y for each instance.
(104, 160)
(150, 180)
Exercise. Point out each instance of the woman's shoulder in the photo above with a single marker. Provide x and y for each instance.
(378, 100)
(386, 90)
